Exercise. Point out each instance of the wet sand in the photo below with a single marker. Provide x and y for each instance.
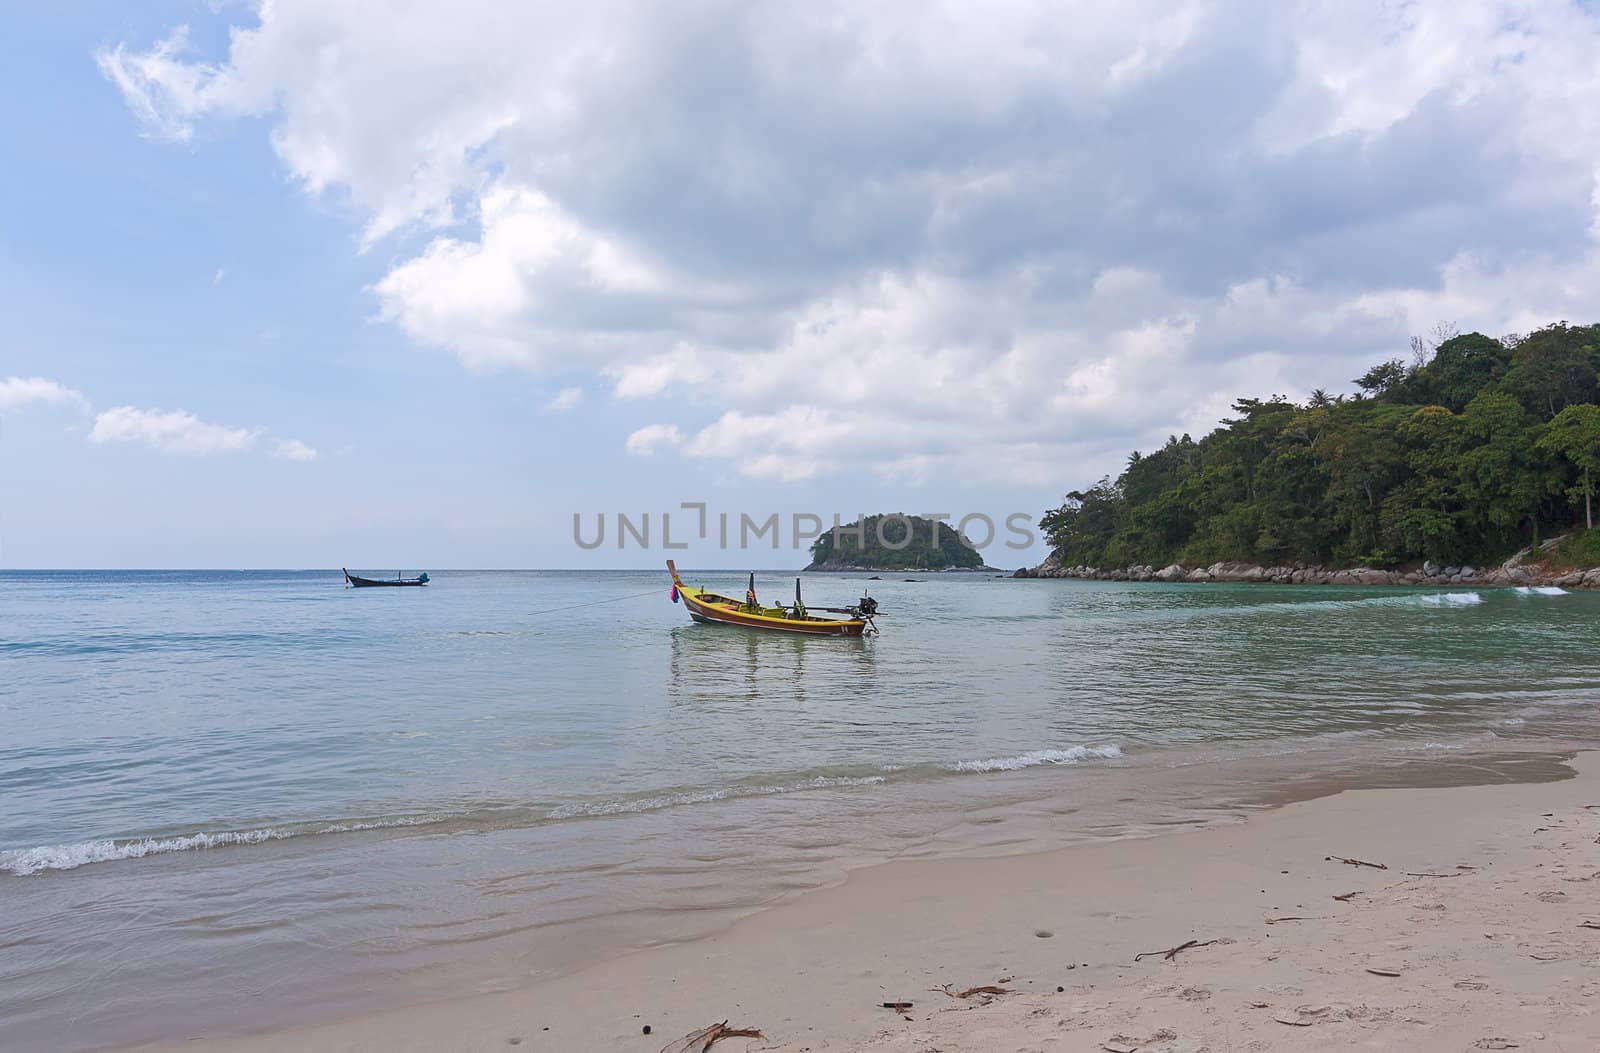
(1480, 910)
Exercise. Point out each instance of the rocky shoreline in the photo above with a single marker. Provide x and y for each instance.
(1526, 568)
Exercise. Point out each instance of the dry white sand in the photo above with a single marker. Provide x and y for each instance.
(1487, 950)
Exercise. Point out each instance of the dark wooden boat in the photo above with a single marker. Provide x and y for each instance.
(356, 582)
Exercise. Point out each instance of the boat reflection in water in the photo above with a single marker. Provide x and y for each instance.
(711, 669)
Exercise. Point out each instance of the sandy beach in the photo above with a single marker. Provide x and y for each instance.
(1474, 930)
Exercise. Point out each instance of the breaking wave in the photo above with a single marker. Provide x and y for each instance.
(25, 861)
(1447, 599)
(1037, 757)
(1540, 590)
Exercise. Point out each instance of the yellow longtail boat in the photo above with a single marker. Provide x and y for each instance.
(715, 609)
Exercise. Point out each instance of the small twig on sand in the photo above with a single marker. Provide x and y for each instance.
(702, 1040)
(1172, 952)
(1409, 873)
(1348, 896)
(983, 989)
(1589, 924)
(1298, 917)
(1384, 972)
(898, 1007)
(1356, 862)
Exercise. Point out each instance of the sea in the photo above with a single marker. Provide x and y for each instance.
(231, 800)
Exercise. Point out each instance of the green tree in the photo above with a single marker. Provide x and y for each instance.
(1461, 367)
(1383, 377)
(1363, 460)
(1554, 368)
(1082, 528)
(1501, 472)
(1423, 516)
(1575, 435)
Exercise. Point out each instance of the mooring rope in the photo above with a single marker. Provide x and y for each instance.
(594, 603)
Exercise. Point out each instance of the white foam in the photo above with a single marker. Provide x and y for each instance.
(1456, 599)
(631, 806)
(1466, 743)
(1034, 758)
(25, 861)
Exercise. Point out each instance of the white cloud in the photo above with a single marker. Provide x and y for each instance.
(216, 279)
(171, 430)
(652, 437)
(506, 298)
(294, 450)
(565, 399)
(1007, 241)
(17, 392)
(165, 91)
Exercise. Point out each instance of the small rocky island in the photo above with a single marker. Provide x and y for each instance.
(881, 543)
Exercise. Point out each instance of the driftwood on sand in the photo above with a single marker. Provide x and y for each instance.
(1356, 862)
(702, 1040)
(981, 989)
(1172, 952)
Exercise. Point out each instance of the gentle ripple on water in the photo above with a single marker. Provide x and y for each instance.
(233, 792)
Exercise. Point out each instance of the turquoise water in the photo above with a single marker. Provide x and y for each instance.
(235, 796)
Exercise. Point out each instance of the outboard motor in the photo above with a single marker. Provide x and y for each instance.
(864, 609)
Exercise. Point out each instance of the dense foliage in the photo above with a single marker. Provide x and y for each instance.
(1468, 452)
(880, 542)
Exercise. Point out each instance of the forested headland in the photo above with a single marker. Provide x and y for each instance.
(1466, 451)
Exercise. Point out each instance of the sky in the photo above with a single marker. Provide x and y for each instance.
(311, 283)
